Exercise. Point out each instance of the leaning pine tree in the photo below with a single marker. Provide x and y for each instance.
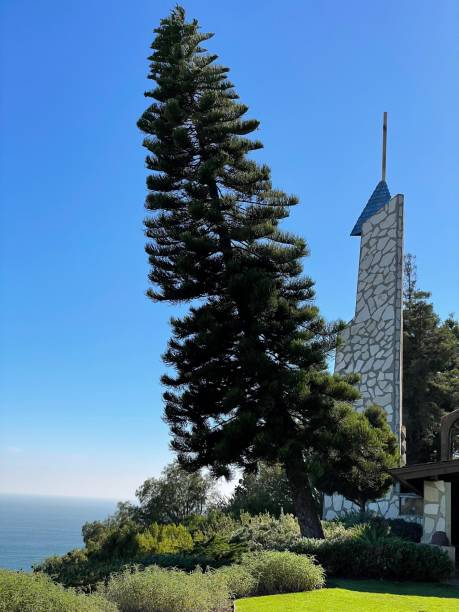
(249, 356)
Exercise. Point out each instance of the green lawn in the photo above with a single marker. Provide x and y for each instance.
(360, 596)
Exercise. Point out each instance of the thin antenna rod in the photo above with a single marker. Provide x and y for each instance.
(384, 146)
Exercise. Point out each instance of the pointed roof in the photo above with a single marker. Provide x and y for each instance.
(378, 199)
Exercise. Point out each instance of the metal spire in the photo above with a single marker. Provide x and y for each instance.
(384, 146)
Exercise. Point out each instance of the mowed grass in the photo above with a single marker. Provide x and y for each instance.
(360, 596)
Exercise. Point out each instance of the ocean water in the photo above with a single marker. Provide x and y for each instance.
(34, 527)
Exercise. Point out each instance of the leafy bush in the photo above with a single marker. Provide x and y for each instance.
(390, 559)
(283, 572)
(85, 574)
(374, 533)
(336, 529)
(164, 539)
(76, 569)
(351, 519)
(398, 527)
(264, 532)
(160, 590)
(37, 593)
(406, 529)
(221, 549)
(116, 542)
(241, 583)
(215, 522)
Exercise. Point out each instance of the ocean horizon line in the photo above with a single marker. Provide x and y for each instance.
(61, 496)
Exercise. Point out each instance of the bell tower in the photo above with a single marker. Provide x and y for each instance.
(372, 341)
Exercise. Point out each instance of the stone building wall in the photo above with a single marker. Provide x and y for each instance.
(437, 509)
(372, 342)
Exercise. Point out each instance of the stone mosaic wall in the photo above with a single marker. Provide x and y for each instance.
(372, 342)
(437, 509)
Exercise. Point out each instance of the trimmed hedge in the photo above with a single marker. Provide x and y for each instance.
(389, 559)
(21, 592)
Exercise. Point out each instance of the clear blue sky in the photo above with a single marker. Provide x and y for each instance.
(80, 343)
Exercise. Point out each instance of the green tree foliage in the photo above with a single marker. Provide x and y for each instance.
(266, 490)
(164, 539)
(364, 450)
(430, 369)
(250, 355)
(175, 496)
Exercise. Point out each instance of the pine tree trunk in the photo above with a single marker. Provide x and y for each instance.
(303, 501)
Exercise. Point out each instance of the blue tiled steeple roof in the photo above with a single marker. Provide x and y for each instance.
(379, 198)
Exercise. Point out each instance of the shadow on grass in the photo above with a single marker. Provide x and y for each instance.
(421, 589)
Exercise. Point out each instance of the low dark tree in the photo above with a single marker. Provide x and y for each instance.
(362, 452)
(430, 369)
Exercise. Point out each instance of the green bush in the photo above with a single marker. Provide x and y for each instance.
(76, 569)
(374, 533)
(221, 549)
(159, 590)
(265, 532)
(164, 539)
(336, 529)
(390, 559)
(283, 572)
(350, 519)
(215, 522)
(406, 530)
(21, 592)
(241, 583)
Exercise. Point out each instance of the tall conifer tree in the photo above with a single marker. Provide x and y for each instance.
(430, 369)
(249, 356)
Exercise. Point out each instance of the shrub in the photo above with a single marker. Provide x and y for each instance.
(374, 533)
(405, 529)
(283, 572)
(75, 569)
(215, 522)
(164, 539)
(241, 583)
(264, 532)
(390, 559)
(398, 527)
(160, 590)
(21, 592)
(356, 518)
(221, 549)
(335, 529)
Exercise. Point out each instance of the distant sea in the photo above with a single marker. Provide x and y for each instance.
(34, 527)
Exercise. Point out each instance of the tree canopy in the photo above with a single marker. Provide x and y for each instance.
(175, 496)
(266, 490)
(430, 369)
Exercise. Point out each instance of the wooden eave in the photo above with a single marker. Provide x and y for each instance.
(413, 475)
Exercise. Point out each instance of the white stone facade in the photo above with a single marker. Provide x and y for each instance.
(437, 509)
(372, 341)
